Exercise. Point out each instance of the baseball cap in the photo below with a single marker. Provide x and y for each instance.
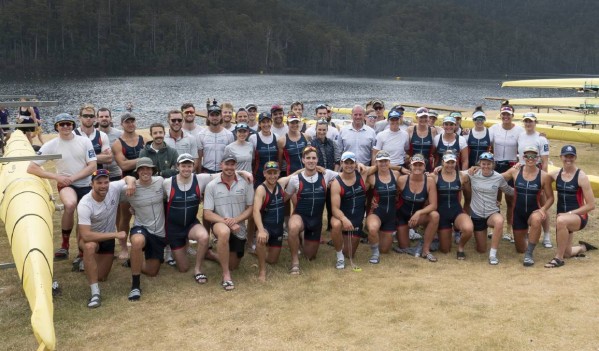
(64, 117)
(229, 157)
(394, 114)
(214, 109)
(530, 116)
(449, 119)
(292, 118)
(276, 108)
(271, 165)
(185, 158)
(398, 108)
(433, 113)
(348, 155)
(144, 162)
(568, 150)
(100, 173)
(383, 155)
(421, 112)
(507, 109)
(456, 114)
(243, 126)
(479, 115)
(264, 115)
(450, 156)
(249, 106)
(417, 158)
(377, 102)
(127, 116)
(531, 148)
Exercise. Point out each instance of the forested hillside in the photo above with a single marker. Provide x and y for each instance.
(355, 37)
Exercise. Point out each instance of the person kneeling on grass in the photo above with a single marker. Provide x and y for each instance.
(228, 203)
(268, 212)
(348, 201)
(97, 228)
(575, 200)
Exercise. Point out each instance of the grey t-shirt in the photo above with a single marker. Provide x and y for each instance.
(244, 154)
(101, 216)
(229, 202)
(148, 205)
(113, 168)
(484, 193)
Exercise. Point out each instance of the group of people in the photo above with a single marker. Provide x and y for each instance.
(383, 180)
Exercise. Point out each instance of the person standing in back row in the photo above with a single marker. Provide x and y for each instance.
(212, 141)
(357, 137)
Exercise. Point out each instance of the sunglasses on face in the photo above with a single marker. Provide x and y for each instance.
(176, 120)
(189, 112)
(530, 156)
(88, 116)
(65, 124)
(378, 108)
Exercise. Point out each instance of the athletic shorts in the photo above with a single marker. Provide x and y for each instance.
(80, 191)
(26, 129)
(502, 166)
(356, 233)
(480, 224)
(154, 248)
(447, 217)
(388, 220)
(176, 236)
(312, 227)
(520, 219)
(237, 245)
(583, 221)
(403, 215)
(105, 247)
(275, 236)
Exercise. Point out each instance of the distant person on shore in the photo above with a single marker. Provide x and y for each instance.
(575, 200)
(252, 111)
(38, 130)
(73, 172)
(505, 150)
(129, 107)
(189, 124)
(26, 115)
(126, 152)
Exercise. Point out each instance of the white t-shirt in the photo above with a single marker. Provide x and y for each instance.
(185, 144)
(395, 143)
(332, 132)
(535, 140)
(101, 216)
(293, 185)
(76, 154)
(279, 132)
(195, 131)
(213, 145)
(505, 142)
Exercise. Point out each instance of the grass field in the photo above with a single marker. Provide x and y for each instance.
(402, 303)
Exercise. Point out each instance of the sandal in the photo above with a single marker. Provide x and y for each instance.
(430, 257)
(587, 246)
(554, 263)
(461, 255)
(375, 259)
(295, 270)
(200, 278)
(95, 301)
(227, 285)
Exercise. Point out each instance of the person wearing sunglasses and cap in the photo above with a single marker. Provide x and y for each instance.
(505, 148)
(393, 140)
(575, 199)
(479, 139)
(417, 206)
(96, 216)
(530, 184)
(384, 124)
(421, 137)
(370, 118)
(72, 176)
(457, 115)
(451, 184)
(432, 119)
(268, 214)
(484, 210)
(450, 141)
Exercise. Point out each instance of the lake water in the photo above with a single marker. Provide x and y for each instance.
(153, 97)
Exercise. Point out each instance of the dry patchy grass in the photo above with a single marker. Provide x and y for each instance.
(402, 303)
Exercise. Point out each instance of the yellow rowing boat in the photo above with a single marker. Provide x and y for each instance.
(564, 83)
(26, 208)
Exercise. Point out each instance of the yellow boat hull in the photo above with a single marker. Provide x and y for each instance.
(26, 208)
(564, 83)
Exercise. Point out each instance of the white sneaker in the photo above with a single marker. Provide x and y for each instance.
(414, 235)
(340, 264)
(493, 260)
(547, 243)
(508, 237)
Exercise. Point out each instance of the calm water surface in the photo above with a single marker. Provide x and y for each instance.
(154, 96)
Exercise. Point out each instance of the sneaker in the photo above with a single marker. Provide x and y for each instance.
(95, 301)
(168, 258)
(134, 294)
(528, 261)
(489, 235)
(56, 290)
(78, 265)
(456, 237)
(191, 251)
(493, 260)
(414, 235)
(508, 237)
(375, 259)
(547, 243)
(61, 254)
(340, 264)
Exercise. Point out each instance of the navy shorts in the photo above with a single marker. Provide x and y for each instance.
(480, 224)
(237, 245)
(80, 191)
(520, 219)
(404, 215)
(105, 247)
(503, 166)
(275, 236)
(447, 217)
(154, 248)
(312, 227)
(388, 220)
(176, 236)
(356, 233)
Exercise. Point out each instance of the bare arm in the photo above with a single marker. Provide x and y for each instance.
(336, 206)
(88, 236)
(261, 235)
(119, 157)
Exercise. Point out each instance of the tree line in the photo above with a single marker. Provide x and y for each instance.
(352, 37)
